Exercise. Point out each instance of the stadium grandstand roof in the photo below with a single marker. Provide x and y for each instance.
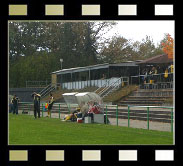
(94, 67)
(159, 59)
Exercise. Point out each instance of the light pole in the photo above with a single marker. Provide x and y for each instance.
(61, 60)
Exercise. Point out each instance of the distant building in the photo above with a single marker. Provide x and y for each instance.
(95, 75)
(100, 74)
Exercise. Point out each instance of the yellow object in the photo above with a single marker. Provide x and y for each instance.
(68, 117)
(151, 81)
(123, 84)
(166, 73)
(54, 155)
(171, 68)
(17, 10)
(18, 155)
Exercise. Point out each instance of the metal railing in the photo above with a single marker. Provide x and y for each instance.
(103, 86)
(139, 79)
(130, 116)
(48, 89)
(169, 116)
(109, 89)
(37, 84)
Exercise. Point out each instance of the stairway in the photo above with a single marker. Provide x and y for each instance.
(155, 97)
(47, 90)
(109, 87)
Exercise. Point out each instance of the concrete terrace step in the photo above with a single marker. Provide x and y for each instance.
(142, 118)
(154, 90)
(141, 104)
(149, 97)
(142, 99)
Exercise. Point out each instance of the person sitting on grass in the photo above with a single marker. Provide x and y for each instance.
(73, 116)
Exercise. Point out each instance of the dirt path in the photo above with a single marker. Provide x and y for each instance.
(124, 122)
(142, 124)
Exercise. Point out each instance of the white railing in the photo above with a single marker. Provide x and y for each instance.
(89, 83)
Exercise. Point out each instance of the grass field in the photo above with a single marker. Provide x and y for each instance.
(25, 130)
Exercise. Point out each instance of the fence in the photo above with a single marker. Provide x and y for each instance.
(139, 79)
(94, 83)
(147, 117)
(58, 109)
(37, 84)
(151, 113)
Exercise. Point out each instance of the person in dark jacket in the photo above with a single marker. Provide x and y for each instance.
(15, 101)
(50, 104)
(36, 99)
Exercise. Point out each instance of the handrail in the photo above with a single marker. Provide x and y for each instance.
(104, 85)
(30, 84)
(105, 89)
(151, 106)
(150, 74)
(111, 90)
(44, 89)
(47, 91)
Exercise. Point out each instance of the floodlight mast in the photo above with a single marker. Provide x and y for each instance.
(61, 60)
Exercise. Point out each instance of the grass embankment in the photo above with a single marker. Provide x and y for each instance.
(121, 93)
(25, 130)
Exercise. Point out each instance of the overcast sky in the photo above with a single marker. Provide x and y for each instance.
(137, 30)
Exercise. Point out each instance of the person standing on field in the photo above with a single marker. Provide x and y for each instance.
(36, 98)
(50, 104)
(15, 101)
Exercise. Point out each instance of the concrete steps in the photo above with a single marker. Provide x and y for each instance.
(154, 97)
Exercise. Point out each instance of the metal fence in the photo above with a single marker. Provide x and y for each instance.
(139, 79)
(146, 117)
(152, 113)
(94, 83)
(37, 84)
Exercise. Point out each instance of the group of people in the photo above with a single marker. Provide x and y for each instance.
(151, 73)
(36, 100)
(148, 73)
(85, 109)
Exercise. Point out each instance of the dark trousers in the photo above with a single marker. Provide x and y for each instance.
(10, 108)
(36, 111)
(15, 109)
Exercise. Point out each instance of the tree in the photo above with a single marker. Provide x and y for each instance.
(117, 50)
(35, 48)
(167, 45)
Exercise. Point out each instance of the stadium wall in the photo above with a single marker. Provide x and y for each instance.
(24, 94)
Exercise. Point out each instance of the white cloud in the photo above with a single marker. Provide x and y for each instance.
(137, 30)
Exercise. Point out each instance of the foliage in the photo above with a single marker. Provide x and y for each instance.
(35, 67)
(35, 48)
(118, 49)
(168, 46)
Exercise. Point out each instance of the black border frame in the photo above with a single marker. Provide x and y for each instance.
(73, 153)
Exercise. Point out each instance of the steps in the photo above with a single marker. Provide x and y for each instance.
(110, 87)
(155, 97)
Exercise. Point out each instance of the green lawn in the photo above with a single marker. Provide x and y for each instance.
(25, 130)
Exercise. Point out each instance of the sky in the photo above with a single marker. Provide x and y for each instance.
(137, 30)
